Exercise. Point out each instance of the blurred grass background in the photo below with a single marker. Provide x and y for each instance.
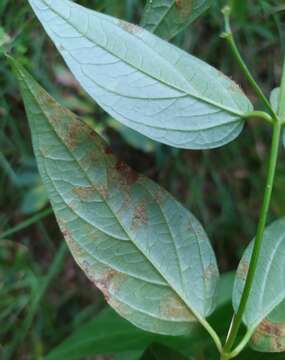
(222, 187)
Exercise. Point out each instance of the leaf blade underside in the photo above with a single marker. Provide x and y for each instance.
(148, 255)
(144, 82)
(265, 309)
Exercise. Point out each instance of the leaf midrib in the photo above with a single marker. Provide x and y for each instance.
(199, 98)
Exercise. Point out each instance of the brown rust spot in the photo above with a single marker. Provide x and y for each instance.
(105, 282)
(210, 272)
(73, 134)
(278, 345)
(234, 87)
(269, 336)
(172, 308)
(65, 233)
(128, 174)
(140, 216)
(84, 192)
(160, 196)
(103, 191)
(131, 28)
(76, 250)
(243, 270)
(108, 150)
(267, 327)
(93, 134)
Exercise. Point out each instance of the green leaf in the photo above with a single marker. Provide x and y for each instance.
(34, 200)
(166, 18)
(265, 310)
(144, 82)
(129, 355)
(161, 352)
(270, 333)
(225, 288)
(149, 255)
(106, 334)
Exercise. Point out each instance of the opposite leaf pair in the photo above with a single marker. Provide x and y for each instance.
(149, 255)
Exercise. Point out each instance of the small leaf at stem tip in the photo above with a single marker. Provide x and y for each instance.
(265, 309)
(144, 82)
(149, 256)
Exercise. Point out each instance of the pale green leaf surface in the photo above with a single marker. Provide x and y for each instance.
(266, 301)
(144, 82)
(166, 18)
(149, 256)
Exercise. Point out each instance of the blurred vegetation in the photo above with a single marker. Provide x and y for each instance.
(222, 187)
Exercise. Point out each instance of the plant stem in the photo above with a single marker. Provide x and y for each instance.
(228, 35)
(225, 357)
(26, 223)
(259, 237)
(259, 114)
(242, 344)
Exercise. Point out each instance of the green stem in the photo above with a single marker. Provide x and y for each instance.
(242, 344)
(26, 223)
(228, 35)
(259, 237)
(225, 357)
(259, 114)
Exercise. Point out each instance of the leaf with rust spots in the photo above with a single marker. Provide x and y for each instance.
(130, 236)
(167, 18)
(143, 82)
(269, 337)
(265, 311)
